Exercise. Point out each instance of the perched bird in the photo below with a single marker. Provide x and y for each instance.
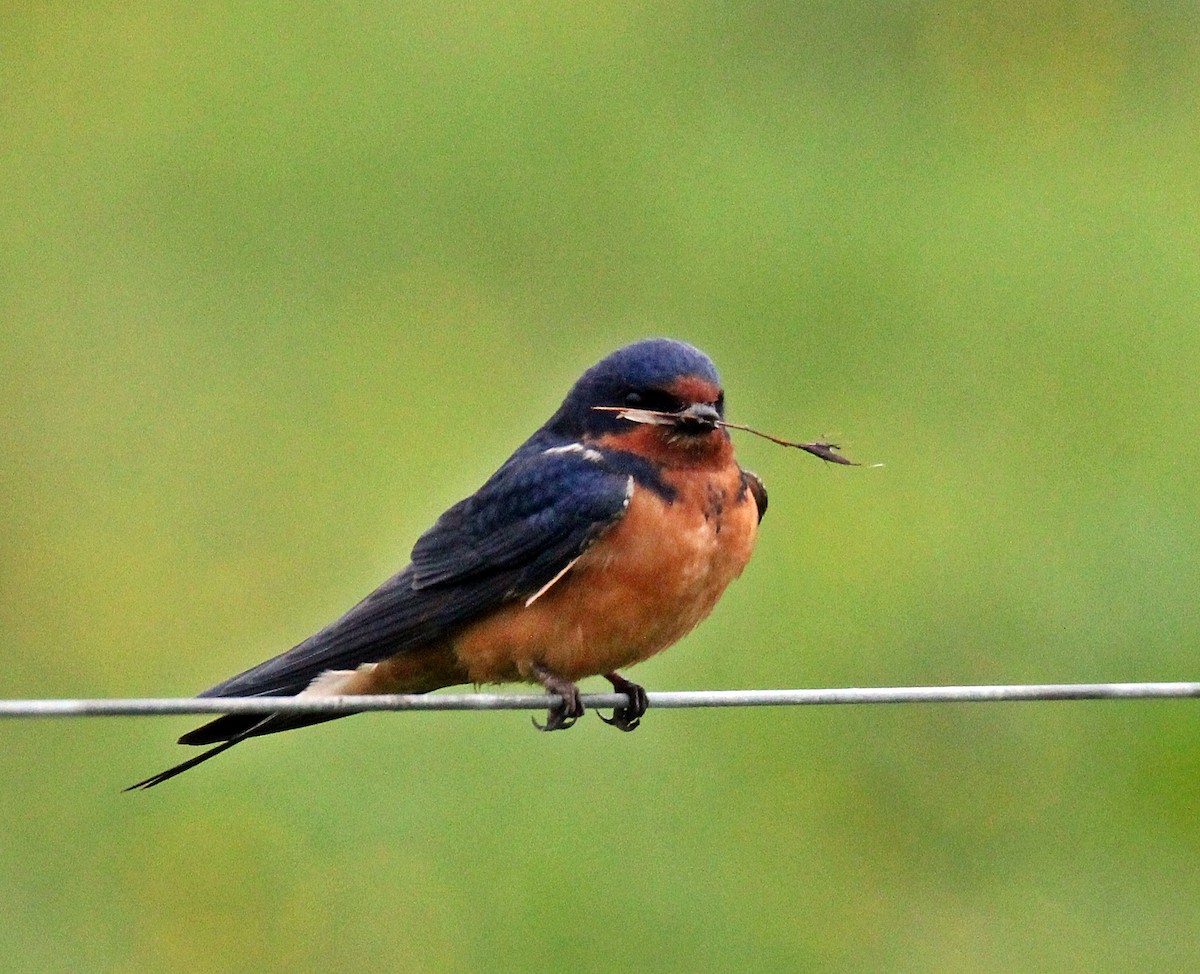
(606, 537)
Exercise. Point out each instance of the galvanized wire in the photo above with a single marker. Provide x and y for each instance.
(664, 700)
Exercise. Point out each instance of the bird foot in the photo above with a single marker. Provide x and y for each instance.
(561, 715)
(628, 717)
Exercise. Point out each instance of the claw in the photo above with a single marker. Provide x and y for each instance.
(556, 719)
(561, 715)
(628, 717)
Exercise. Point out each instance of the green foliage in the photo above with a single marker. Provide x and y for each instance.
(281, 283)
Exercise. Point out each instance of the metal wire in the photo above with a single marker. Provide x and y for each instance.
(662, 700)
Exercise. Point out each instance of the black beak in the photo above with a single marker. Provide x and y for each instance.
(698, 418)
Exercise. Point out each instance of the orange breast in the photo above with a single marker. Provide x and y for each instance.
(639, 589)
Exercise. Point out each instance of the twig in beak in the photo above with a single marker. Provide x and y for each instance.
(824, 451)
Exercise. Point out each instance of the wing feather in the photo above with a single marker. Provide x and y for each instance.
(535, 515)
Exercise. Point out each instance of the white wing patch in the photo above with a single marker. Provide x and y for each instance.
(550, 584)
(595, 456)
(629, 484)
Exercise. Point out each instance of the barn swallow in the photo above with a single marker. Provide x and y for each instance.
(606, 537)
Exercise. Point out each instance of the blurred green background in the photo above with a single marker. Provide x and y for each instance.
(280, 282)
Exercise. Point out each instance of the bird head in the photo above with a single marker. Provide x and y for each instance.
(657, 397)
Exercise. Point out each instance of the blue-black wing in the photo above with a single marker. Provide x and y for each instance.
(535, 515)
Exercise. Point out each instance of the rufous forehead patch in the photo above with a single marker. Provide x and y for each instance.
(692, 388)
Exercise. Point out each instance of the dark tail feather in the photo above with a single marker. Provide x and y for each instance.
(170, 773)
(416, 671)
(242, 726)
(229, 730)
(413, 671)
(187, 765)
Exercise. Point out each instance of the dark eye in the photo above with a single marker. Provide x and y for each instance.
(721, 402)
(654, 399)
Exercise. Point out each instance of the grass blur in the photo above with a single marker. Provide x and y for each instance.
(279, 284)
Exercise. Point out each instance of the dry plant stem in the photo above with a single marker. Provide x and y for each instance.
(825, 451)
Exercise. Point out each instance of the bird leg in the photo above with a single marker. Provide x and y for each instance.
(628, 717)
(561, 715)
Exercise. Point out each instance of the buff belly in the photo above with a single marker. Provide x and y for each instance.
(643, 586)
